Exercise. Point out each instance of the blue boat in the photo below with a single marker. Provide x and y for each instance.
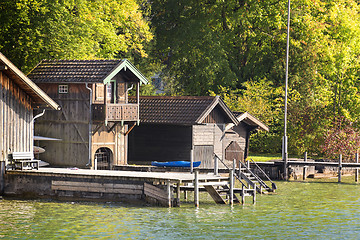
(175, 164)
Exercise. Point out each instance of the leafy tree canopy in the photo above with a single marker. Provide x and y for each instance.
(72, 29)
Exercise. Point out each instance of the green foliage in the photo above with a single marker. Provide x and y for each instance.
(231, 47)
(72, 29)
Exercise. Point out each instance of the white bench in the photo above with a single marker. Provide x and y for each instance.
(24, 160)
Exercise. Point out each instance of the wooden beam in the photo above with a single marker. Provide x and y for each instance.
(129, 130)
(112, 127)
(96, 129)
(3, 67)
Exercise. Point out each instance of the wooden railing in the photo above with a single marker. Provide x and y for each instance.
(115, 112)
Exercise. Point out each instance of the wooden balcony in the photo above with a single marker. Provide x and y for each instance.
(115, 112)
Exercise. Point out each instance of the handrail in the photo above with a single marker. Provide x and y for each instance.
(256, 177)
(243, 184)
(262, 171)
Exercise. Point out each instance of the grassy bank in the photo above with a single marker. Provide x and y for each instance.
(264, 157)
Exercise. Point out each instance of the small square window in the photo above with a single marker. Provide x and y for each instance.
(63, 88)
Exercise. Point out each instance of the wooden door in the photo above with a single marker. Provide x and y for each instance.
(204, 154)
(234, 151)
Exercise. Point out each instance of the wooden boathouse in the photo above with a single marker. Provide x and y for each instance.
(19, 96)
(184, 127)
(96, 116)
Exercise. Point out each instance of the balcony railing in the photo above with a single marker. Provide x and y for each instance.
(115, 112)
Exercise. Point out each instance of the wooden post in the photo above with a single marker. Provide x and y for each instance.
(357, 169)
(242, 195)
(340, 167)
(2, 176)
(191, 161)
(231, 193)
(178, 194)
(168, 189)
(185, 194)
(305, 167)
(216, 166)
(196, 189)
(254, 195)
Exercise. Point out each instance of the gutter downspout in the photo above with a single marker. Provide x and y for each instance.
(90, 123)
(33, 128)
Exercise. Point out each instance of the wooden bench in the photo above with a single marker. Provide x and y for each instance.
(24, 160)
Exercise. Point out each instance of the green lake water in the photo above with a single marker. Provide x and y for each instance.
(299, 210)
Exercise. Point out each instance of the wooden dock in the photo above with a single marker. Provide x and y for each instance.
(161, 188)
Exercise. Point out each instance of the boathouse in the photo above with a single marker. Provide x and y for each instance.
(180, 127)
(18, 97)
(237, 137)
(174, 128)
(95, 117)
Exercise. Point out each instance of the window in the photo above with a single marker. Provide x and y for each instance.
(63, 88)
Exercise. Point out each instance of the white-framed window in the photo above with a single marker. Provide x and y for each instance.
(63, 89)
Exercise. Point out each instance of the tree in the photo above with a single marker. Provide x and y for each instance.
(72, 29)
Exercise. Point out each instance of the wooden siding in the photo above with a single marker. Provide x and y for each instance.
(216, 116)
(149, 142)
(15, 118)
(71, 124)
(237, 134)
(203, 134)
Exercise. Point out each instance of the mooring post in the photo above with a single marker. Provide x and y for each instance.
(242, 195)
(305, 167)
(192, 161)
(231, 187)
(168, 189)
(178, 194)
(196, 189)
(340, 167)
(2, 175)
(216, 166)
(254, 195)
(357, 169)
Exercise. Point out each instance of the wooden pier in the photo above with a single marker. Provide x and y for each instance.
(161, 188)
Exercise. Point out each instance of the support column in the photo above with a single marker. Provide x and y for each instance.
(216, 166)
(178, 194)
(305, 167)
(357, 169)
(340, 167)
(231, 193)
(191, 160)
(2, 176)
(168, 190)
(196, 189)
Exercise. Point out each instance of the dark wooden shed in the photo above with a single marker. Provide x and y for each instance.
(96, 115)
(18, 97)
(171, 127)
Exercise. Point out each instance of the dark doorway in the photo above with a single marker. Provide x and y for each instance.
(103, 157)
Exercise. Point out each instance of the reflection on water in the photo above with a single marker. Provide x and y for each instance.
(298, 211)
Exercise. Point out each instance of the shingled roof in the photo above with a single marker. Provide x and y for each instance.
(183, 110)
(84, 71)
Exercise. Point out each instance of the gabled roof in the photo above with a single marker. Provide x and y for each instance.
(84, 71)
(38, 96)
(248, 119)
(181, 110)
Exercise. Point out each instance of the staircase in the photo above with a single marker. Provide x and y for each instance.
(254, 180)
